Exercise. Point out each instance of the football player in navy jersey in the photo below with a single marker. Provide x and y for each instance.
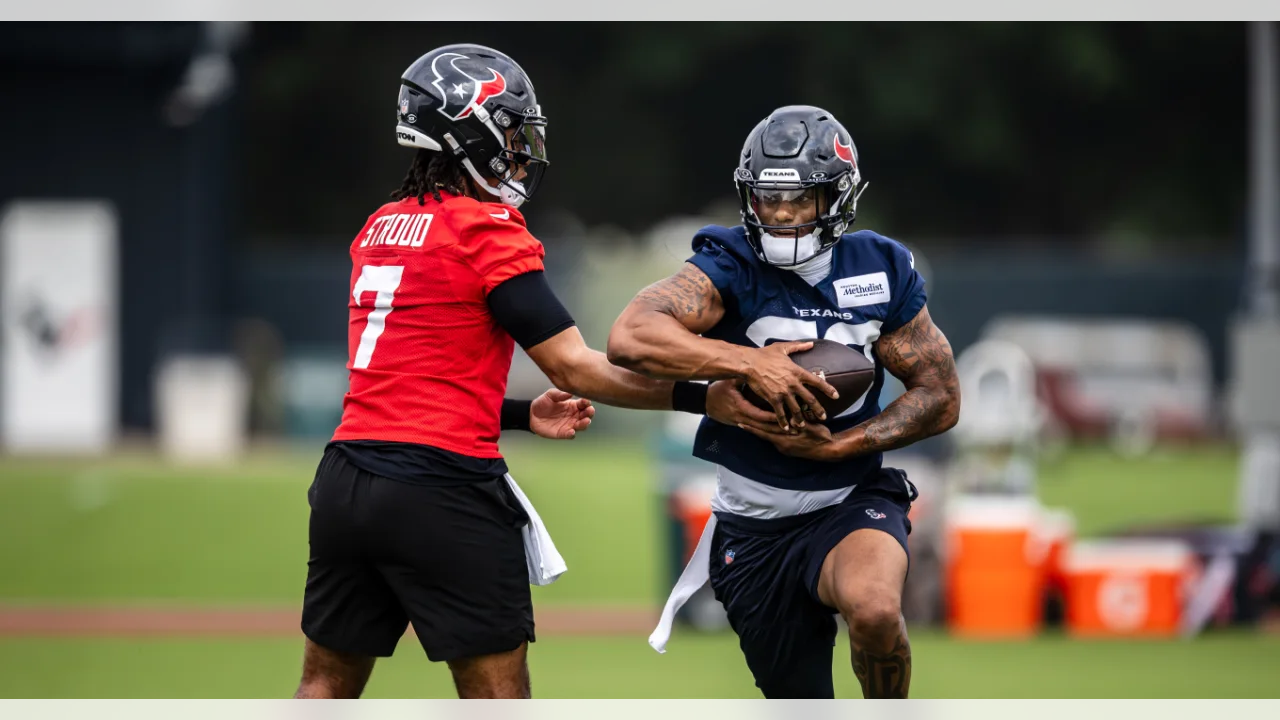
(807, 522)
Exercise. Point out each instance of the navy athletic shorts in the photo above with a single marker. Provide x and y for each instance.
(765, 573)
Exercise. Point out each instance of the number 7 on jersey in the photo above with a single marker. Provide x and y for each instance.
(383, 280)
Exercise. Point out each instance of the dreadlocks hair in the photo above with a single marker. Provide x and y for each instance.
(431, 172)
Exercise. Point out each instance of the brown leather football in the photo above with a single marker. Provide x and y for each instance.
(846, 369)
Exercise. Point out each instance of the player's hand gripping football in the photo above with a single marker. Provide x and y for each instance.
(558, 415)
(780, 381)
(726, 404)
(812, 443)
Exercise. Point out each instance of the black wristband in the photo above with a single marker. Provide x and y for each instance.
(690, 397)
(515, 414)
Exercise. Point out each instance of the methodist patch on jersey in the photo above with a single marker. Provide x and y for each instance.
(871, 289)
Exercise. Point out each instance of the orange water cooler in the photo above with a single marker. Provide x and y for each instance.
(995, 566)
(1128, 588)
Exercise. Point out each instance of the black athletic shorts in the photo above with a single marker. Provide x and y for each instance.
(385, 553)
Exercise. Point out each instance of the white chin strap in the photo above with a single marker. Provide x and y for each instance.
(785, 250)
(509, 192)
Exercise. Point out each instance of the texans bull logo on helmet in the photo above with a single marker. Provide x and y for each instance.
(845, 152)
(461, 91)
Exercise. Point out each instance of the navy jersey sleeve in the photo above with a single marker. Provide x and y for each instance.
(907, 296)
(723, 264)
(720, 265)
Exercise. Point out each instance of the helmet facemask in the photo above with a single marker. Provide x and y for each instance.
(525, 149)
(788, 246)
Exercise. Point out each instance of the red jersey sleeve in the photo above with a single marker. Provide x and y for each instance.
(495, 243)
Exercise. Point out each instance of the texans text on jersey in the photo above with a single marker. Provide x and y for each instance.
(802, 312)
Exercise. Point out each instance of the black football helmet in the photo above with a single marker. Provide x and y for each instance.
(463, 100)
(796, 148)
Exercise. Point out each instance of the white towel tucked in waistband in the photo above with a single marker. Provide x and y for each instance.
(695, 575)
(736, 495)
(540, 554)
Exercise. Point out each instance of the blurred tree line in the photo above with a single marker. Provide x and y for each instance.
(1056, 131)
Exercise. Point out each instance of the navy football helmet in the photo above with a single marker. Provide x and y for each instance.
(796, 148)
(465, 100)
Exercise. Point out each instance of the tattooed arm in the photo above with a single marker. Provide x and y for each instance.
(658, 334)
(919, 355)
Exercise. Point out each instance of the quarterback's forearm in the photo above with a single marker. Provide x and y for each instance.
(919, 413)
(658, 345)
(595, 378)
(575, 368)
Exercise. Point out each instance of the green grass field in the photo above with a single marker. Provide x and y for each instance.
(695, 666)
(131, 530)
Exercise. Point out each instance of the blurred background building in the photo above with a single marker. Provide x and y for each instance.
(1085, 169)
(1082, 169)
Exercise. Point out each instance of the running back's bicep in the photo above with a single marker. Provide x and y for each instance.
(919, 354)
(689, 296)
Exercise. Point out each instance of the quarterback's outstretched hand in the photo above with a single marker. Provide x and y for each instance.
(558, 415)
(725, 404)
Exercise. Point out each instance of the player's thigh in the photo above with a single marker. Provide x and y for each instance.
(864, 572)
(455, 558)
(347, 606)
(786, 637)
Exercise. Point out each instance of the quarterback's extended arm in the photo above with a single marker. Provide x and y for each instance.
(658, 334)
(918, 354)
(574, 367)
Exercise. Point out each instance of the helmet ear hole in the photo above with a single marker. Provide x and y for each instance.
(468, 133)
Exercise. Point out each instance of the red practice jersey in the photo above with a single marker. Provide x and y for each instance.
(428, 363)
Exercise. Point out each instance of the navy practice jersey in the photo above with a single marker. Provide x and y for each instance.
(873, 289)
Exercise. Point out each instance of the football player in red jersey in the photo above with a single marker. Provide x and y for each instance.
(414, 518)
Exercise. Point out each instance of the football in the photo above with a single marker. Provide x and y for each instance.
(846, 369)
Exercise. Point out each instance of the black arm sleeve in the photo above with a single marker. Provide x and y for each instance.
(528, 309)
